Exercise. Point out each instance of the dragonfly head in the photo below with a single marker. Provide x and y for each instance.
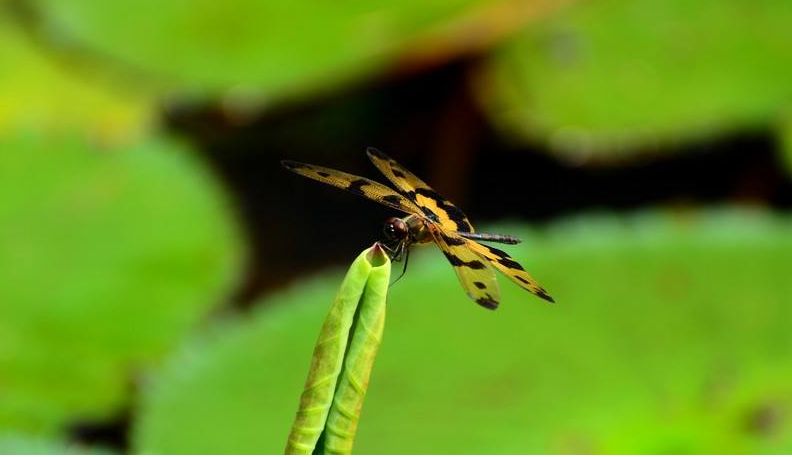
(395, 229)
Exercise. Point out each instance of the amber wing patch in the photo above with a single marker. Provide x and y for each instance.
(475, 275)
(432, 205)
(355, 184)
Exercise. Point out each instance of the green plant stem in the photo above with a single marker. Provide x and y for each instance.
(343, 357)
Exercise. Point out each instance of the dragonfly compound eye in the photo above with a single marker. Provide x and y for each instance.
(395, 229)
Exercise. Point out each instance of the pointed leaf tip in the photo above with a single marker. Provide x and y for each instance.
(377, 255)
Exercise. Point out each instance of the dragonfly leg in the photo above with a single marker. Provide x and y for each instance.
(406, 261)
(393, 253)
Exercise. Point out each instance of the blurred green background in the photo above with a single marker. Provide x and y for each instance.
(164, 280)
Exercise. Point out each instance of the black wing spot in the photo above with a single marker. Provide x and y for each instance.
(457, 262)
(509, 263)
(323, 174)
(504, 259)
(356, 186)
(395, 199)
(398, 173)
(454, 213)
(522, 280)
(487, 302)
(498, 252)
(430, 214)
(427, 211)
(480, 285)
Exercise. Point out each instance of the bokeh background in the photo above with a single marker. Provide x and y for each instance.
(163, 279)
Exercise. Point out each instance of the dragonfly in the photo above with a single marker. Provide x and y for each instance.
(430, 218)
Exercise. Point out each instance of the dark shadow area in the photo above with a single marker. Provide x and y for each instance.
(112, 435)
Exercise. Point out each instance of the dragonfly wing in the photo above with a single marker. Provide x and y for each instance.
(476, 276)
(509, 267)
(432, 205)
(355, 184)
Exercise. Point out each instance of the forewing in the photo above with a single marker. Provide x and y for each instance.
(510, 268)
(432, 204)
(355, 184)
(475, 275)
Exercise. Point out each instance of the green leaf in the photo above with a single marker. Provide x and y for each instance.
(609, 78)
(328, 360)
(43, 91)
(254, 50)
(342, 360)
(670, 333)
(109, 257)
(364, 342)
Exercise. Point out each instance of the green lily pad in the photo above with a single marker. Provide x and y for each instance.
(109, 257)
(253, 50)
(609, 78)
(669, 333)
(42, 90)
